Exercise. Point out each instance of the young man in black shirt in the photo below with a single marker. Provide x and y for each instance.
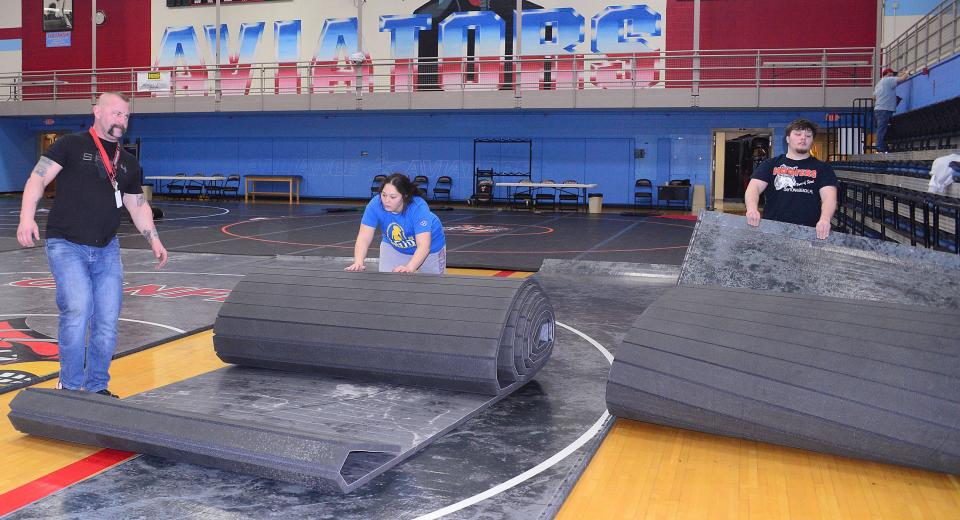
(95, 176)
(804, 188)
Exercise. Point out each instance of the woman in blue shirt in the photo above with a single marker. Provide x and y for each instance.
(412, 236)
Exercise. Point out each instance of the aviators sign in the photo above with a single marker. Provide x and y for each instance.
(322, 36)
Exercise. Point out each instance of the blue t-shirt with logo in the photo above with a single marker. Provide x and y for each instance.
(400, 230)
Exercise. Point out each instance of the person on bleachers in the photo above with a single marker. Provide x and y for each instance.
(413, 239)
(942, 172)
(885, 104)
(804, 188)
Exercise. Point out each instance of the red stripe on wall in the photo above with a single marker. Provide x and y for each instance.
(503, 274)
(11, 33)
(61, 478)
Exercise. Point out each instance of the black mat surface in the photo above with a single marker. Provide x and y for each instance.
(870, 380)
(517, 459)
(725, 251)
(508, 240)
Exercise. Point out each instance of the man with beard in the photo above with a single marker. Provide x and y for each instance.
(805, 189)
(95, 176)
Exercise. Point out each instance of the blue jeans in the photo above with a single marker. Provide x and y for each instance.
(882, 123)
(89, 292)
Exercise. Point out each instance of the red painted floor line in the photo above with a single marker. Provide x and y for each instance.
(503, 274)
(61, 478)
(679, 217)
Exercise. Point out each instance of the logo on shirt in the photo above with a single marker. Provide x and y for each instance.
(87, 156)
(398, 238)
(791, 179)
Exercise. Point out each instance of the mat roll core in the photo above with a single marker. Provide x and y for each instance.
(481, 335)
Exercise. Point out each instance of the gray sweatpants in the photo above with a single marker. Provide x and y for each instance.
(435, 263)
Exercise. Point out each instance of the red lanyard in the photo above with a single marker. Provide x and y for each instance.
(110, 167)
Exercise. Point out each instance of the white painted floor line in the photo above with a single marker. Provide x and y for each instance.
(543, 466)
(161, 325)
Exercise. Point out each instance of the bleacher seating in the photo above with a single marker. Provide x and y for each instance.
(900, 214)
(885, 197)
(933, 127)
(916, 169)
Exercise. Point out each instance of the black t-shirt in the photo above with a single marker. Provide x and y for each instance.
(85, 209)
(793, 188)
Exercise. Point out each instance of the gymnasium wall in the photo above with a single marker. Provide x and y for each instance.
(144, 32)
(940, 84)
(18, 149)
(11, 39)
(122, 41)
(338, 154)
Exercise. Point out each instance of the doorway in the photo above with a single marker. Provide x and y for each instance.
(736, 152)
(45, 141)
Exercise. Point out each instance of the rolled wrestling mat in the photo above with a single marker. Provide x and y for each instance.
(463, 343)
(868, 380)
(470, 334)
(724, 250)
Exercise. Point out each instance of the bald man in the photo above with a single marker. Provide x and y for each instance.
(95, 177)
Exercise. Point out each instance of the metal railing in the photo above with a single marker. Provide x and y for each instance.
(903, 215)
(934, 38)
(694, 71)
(851, 133)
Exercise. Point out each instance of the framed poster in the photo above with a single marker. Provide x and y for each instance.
(57, 15)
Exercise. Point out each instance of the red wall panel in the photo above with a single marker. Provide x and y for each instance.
(122, 41)
(760, 24)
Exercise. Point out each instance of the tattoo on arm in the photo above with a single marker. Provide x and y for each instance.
(140, 200)
(150, 235)
(41, 168)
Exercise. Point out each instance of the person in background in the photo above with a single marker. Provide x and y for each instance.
(804, 188)
(95, 177)
(885, 104)
(413, 239)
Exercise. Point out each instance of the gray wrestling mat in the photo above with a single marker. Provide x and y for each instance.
(863, 379)
(516, 460)
(483, 335)
(158, 306)
(467, 342)
(725, 251)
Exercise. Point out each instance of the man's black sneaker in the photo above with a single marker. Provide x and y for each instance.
(107, 393)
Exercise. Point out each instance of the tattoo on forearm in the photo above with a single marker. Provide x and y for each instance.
(41, 168)
(140, 200)
(150, 235)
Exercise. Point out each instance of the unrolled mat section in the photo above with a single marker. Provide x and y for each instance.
(776, 256)
(458, 345)
(869, 380)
